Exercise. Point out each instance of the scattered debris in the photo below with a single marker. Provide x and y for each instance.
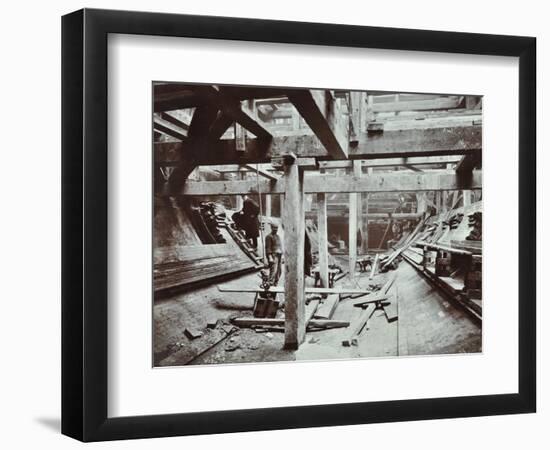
(192, 333)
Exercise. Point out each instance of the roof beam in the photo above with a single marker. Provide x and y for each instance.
(321, 112)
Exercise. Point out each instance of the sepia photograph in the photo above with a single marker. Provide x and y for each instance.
(302, 224)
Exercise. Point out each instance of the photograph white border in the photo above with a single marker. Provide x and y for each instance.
(135, 388)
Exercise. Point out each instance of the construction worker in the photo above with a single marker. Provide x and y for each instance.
(250, 222)
(274, 253)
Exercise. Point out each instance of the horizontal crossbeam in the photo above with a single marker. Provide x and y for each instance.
(410, 182)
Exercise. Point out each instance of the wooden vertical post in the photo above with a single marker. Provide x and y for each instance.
(239, 198)
(281, 206)
(352, 238)
(294, 227)
(322, 231)
(421, 203)
(444, 201)
(365, 219)
(267, 211)
(466, 198)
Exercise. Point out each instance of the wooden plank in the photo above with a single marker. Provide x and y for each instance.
(358, 326)
(322, 113)
(391, 309)
(281, 290)
(373, 269)
(327, 308)
(375, 297)
(294, 222)
(311, 308)
(253, 322)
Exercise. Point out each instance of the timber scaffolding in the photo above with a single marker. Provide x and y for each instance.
(434, 141)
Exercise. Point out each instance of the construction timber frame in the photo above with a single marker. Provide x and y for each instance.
(85, 192)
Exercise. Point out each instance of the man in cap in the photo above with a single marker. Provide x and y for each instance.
(274, 252)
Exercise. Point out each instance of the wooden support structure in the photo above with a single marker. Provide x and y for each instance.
(466, 198)
(354, 218)
(459, 140)
(322, 232)
(174, 121)
(391, 162)
(419, 105)
(322, 113)
(390, 182)
(294, 223)
(169, 131)
(364, 218)
(267, 211)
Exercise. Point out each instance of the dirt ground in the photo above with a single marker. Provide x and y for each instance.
(428, 323)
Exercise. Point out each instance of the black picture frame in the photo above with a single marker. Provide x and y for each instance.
(84, 224)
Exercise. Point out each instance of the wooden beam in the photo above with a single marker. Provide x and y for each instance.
(321, 112)
(309, 290)
(169, 131)
(315, 323)
(390, 162)
(231, 106)
(421, 142)
(174, 121)
(365, 219)
(182, 96)
(294, 223)
(198, 128)
(428, 142)
(418, 105)
(220, 126)
(322, 232)
(466, 198)
(410, 182)
(263, 173)
(358, 113)
(393, 182)
(353, 222)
